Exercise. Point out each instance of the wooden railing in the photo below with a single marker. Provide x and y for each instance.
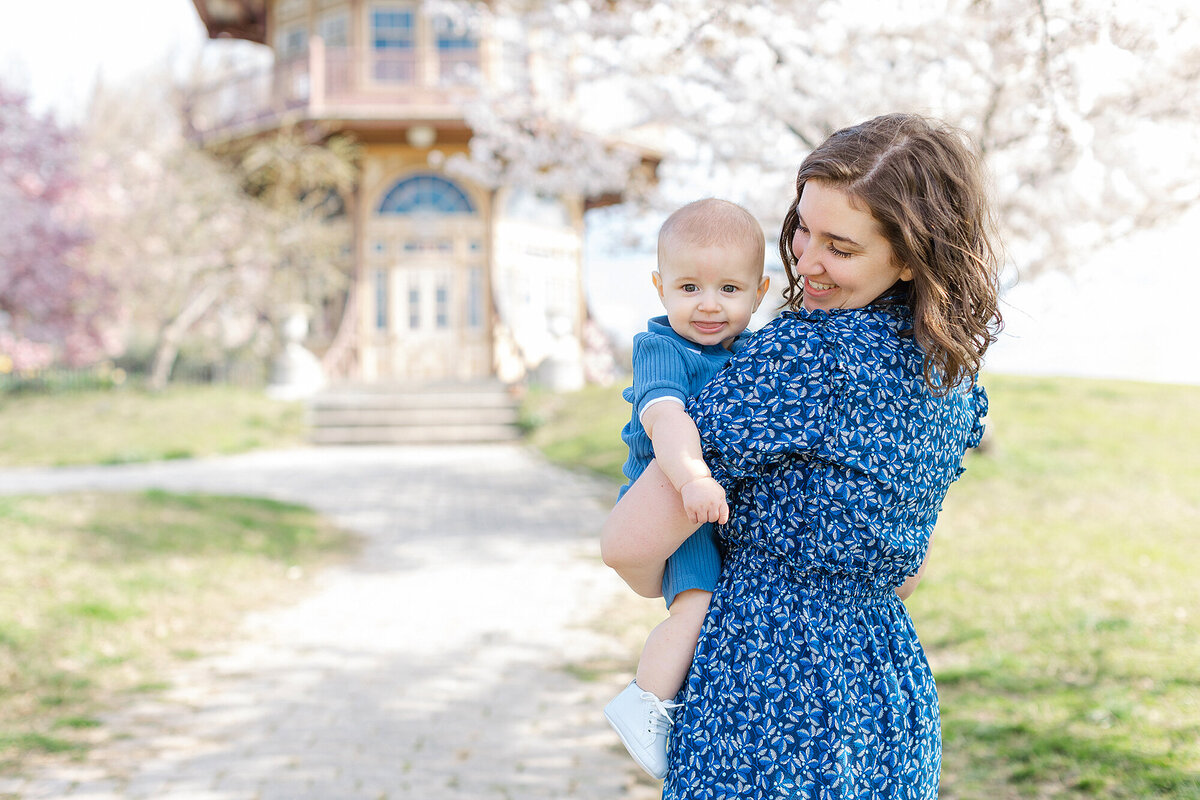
(334, 80)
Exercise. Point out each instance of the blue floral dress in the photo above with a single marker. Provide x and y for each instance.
(808, 680)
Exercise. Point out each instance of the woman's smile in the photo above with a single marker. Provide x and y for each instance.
(813, 286)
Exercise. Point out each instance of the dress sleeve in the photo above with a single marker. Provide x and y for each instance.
(772, 402)
(981, 409)
(659, 370)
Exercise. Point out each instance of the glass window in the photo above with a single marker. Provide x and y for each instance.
(452, 34)
(443, 303)
(475, 298)
(426, 194)
(291, 42)
(393, 30)
(381, 300)
(393, 43)
(334, 29)
(414, 303)
(429, 246)
(458, 50)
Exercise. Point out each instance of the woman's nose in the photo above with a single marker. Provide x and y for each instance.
(806, 262)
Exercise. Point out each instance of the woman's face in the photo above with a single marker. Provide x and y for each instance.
(841, 255)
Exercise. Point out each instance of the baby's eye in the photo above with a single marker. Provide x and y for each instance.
(729, 288)
(690, 287)
(839, 253)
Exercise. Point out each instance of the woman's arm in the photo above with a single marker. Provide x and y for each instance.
(643, 529)
(910, 584)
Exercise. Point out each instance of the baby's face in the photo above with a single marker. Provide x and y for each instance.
(710, 293)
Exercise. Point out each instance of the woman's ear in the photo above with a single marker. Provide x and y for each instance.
(906, 274)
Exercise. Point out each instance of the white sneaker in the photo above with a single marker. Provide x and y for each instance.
(642, 721)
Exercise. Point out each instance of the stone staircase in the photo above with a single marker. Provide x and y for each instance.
(414, 413)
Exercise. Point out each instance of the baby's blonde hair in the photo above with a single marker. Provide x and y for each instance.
(712, 223)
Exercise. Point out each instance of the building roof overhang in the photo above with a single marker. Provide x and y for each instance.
(234, 19)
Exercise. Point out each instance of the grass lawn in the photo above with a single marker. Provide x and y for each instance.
(99, 592)
(1060, 609)
(110, 426)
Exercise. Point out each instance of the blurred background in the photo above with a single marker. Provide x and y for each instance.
(580, 125)
(238, 225)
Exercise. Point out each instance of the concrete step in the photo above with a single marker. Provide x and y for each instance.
(440, 434)
(414, 414)
(369, 400)
(374, 416)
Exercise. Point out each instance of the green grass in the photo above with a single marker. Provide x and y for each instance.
(581, 429)
(100, 593)
(117, 425)
(1059, 610)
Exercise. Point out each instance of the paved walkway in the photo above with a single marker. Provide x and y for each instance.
(432, 667)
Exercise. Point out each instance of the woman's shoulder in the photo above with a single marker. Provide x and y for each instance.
(799, 330)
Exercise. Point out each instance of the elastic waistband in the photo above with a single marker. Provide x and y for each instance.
(846, 588)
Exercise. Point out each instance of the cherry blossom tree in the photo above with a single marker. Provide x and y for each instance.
(190, 248)
(213, 248)
(53, 305)
(1083, 109)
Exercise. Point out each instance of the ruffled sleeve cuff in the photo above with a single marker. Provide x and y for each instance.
(772, 402)
(981, 409)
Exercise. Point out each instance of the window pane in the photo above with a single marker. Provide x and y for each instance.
(443, 303)
(335, 30)
(458, 51)
(475, 298)
(426, 194)
(381, 300)
(414, 304)
(393, 37)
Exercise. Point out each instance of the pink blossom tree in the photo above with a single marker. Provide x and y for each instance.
(53, 305)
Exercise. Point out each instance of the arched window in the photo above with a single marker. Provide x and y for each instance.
(426, 194)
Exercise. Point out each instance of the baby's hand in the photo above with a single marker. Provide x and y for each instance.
(704, 500)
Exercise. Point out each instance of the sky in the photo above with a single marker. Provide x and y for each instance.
(1124, 317)
(57, 65)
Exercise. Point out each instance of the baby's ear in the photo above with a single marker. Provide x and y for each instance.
(658, 282)
(763, 285)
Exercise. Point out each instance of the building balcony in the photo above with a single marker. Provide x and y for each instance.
(352, 87)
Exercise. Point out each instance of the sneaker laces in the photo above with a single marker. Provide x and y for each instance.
(660, 719)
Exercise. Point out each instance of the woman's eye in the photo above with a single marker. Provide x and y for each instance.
(839, 253)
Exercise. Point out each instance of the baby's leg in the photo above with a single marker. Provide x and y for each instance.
(668, 653)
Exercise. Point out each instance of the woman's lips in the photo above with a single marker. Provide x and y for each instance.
(816, 288)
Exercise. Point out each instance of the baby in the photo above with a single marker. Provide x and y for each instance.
(710, 279)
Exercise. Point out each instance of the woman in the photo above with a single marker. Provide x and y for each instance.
(835, 432)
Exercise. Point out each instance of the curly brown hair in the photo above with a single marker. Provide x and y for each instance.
(923, 184)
